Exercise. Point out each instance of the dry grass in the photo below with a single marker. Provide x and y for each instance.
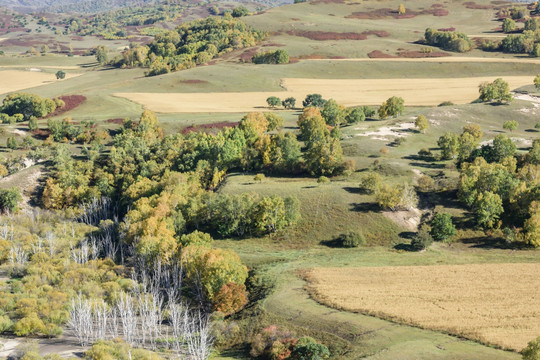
(15, 80)
(349, 92)
(492, 303)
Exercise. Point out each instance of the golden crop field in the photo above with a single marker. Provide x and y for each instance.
(497, 304)
(348, 92)
(15, 80)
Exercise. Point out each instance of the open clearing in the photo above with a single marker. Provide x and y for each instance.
(14, 80)
(348, 92)
(492, 303)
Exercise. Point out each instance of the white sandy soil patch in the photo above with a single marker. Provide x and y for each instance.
(348, 92)
(447, 59)
(15, 80)
(409, 219)
(384, 132)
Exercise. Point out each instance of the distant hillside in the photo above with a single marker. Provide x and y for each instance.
(80, 6)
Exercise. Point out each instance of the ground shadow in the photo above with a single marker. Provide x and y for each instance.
(365, 207)
(428, 165)
(354, 190)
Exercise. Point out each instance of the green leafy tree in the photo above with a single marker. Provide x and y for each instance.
(32, 124)
(449, 144)
(422, 240)
(289, 103)
(370, 182)
(421, 123)
(502, 147)
(101, 53)
(240, 11)
(392, 107)
(274, 121)
(271, 57)
(314, 100)
(352, 239)
(510, 125)
(60, 75)
(442, 227)
(27, 105)
(11, 143)
(532, 351)
(537, 82)
(333, 113)
(508, 25)
(498, 91)
(488, 207)
(308, 349)
(355, 115)
(10, 199)
(273, 101)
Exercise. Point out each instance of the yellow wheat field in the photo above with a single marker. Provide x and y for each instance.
(493, 303)
(348, 92)
(15, 80)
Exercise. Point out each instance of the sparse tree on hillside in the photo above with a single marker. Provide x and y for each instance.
(442, 227)
(421, 123)
(508, 25)
(532, 351)
(314, 100)
(510, 125)
(498, 91)
(289, 103)
(273, 101)
(101, 55)
(537, 82)
(60, 75)
(392, 107)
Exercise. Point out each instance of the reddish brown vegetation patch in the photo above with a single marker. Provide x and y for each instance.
(193, 81)
(248, 54)
(71, 102)
(273, 44)
(500, 2)
(473, 5)
(327, 35)
(41, 134)
(118, 121)
(386, 13)
(208, 127)
(408, 54)
(378, 54)
(447, 29)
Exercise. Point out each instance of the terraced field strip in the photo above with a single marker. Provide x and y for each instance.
(446, 59)
(14, 80)
(492, 303)
(349, 92)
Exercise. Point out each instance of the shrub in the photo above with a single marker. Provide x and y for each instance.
(351, 239)
(273, 342)
(5, 324)
(231, 298)
(239, 11)
(422, 240)
(370, 181)
(9, 199)
(308, 348)
(271, 57)
(323, 180)
(448, 40)
(442, 227)
(426, 183)
(532, 351)
(446, 103)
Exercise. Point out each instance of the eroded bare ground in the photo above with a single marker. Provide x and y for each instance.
(27, 180)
